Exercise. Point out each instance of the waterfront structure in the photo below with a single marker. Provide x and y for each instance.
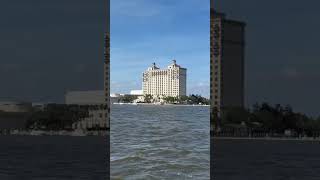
(227, 55)
(165, 82)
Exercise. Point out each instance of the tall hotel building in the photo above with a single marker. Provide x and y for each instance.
(227, 54)
(165, 82)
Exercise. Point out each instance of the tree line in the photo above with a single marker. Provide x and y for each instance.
(191, 99)
(277, 118)
(57, 116)
(148, 98)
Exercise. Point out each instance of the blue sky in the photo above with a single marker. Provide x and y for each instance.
(147, 31)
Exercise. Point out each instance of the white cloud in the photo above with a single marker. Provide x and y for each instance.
(151, 8)
(202, 88)
(123, 86)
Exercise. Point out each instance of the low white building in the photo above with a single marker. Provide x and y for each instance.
(85, 97)
(136, 92)
(115, 95)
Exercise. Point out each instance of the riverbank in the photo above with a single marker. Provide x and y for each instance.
(53, 133)
(265, 160)
(158, 104)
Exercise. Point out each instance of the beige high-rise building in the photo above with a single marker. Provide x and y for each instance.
(227, 54)
(165, 82)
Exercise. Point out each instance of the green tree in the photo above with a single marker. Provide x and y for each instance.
(235, 115)
(148, 98)
(128, 98)
(169, 99)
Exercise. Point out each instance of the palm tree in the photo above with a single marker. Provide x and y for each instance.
(148, 98)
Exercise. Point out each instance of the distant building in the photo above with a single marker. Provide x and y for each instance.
(85, 97)
(115, 95)
(227, 61)
(136, 92)
(14, 115)
(15, 106)
(114, 98)
(165, 82)
(39, 106)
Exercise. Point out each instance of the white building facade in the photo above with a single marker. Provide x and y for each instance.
(165, 82)
(136, 92)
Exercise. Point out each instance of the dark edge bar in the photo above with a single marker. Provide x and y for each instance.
(211, 100)
(107, 82)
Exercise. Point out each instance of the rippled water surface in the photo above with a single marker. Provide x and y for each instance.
(266, 160)
(160, 142)
(53, 158)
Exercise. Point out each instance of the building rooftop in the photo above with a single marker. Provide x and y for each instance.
(173, 64)
(213, 12)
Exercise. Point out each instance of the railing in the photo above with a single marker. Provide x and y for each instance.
(262, 133)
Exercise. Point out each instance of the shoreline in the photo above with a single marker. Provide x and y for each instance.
(75, 133)
(152, 104)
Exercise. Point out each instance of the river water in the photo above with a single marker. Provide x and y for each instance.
(157, 142)
(160, 142)
(53, 158)
(265, 159)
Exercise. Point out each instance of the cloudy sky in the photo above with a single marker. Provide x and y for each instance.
(49, 47)
(282, 54)
(147, 31)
